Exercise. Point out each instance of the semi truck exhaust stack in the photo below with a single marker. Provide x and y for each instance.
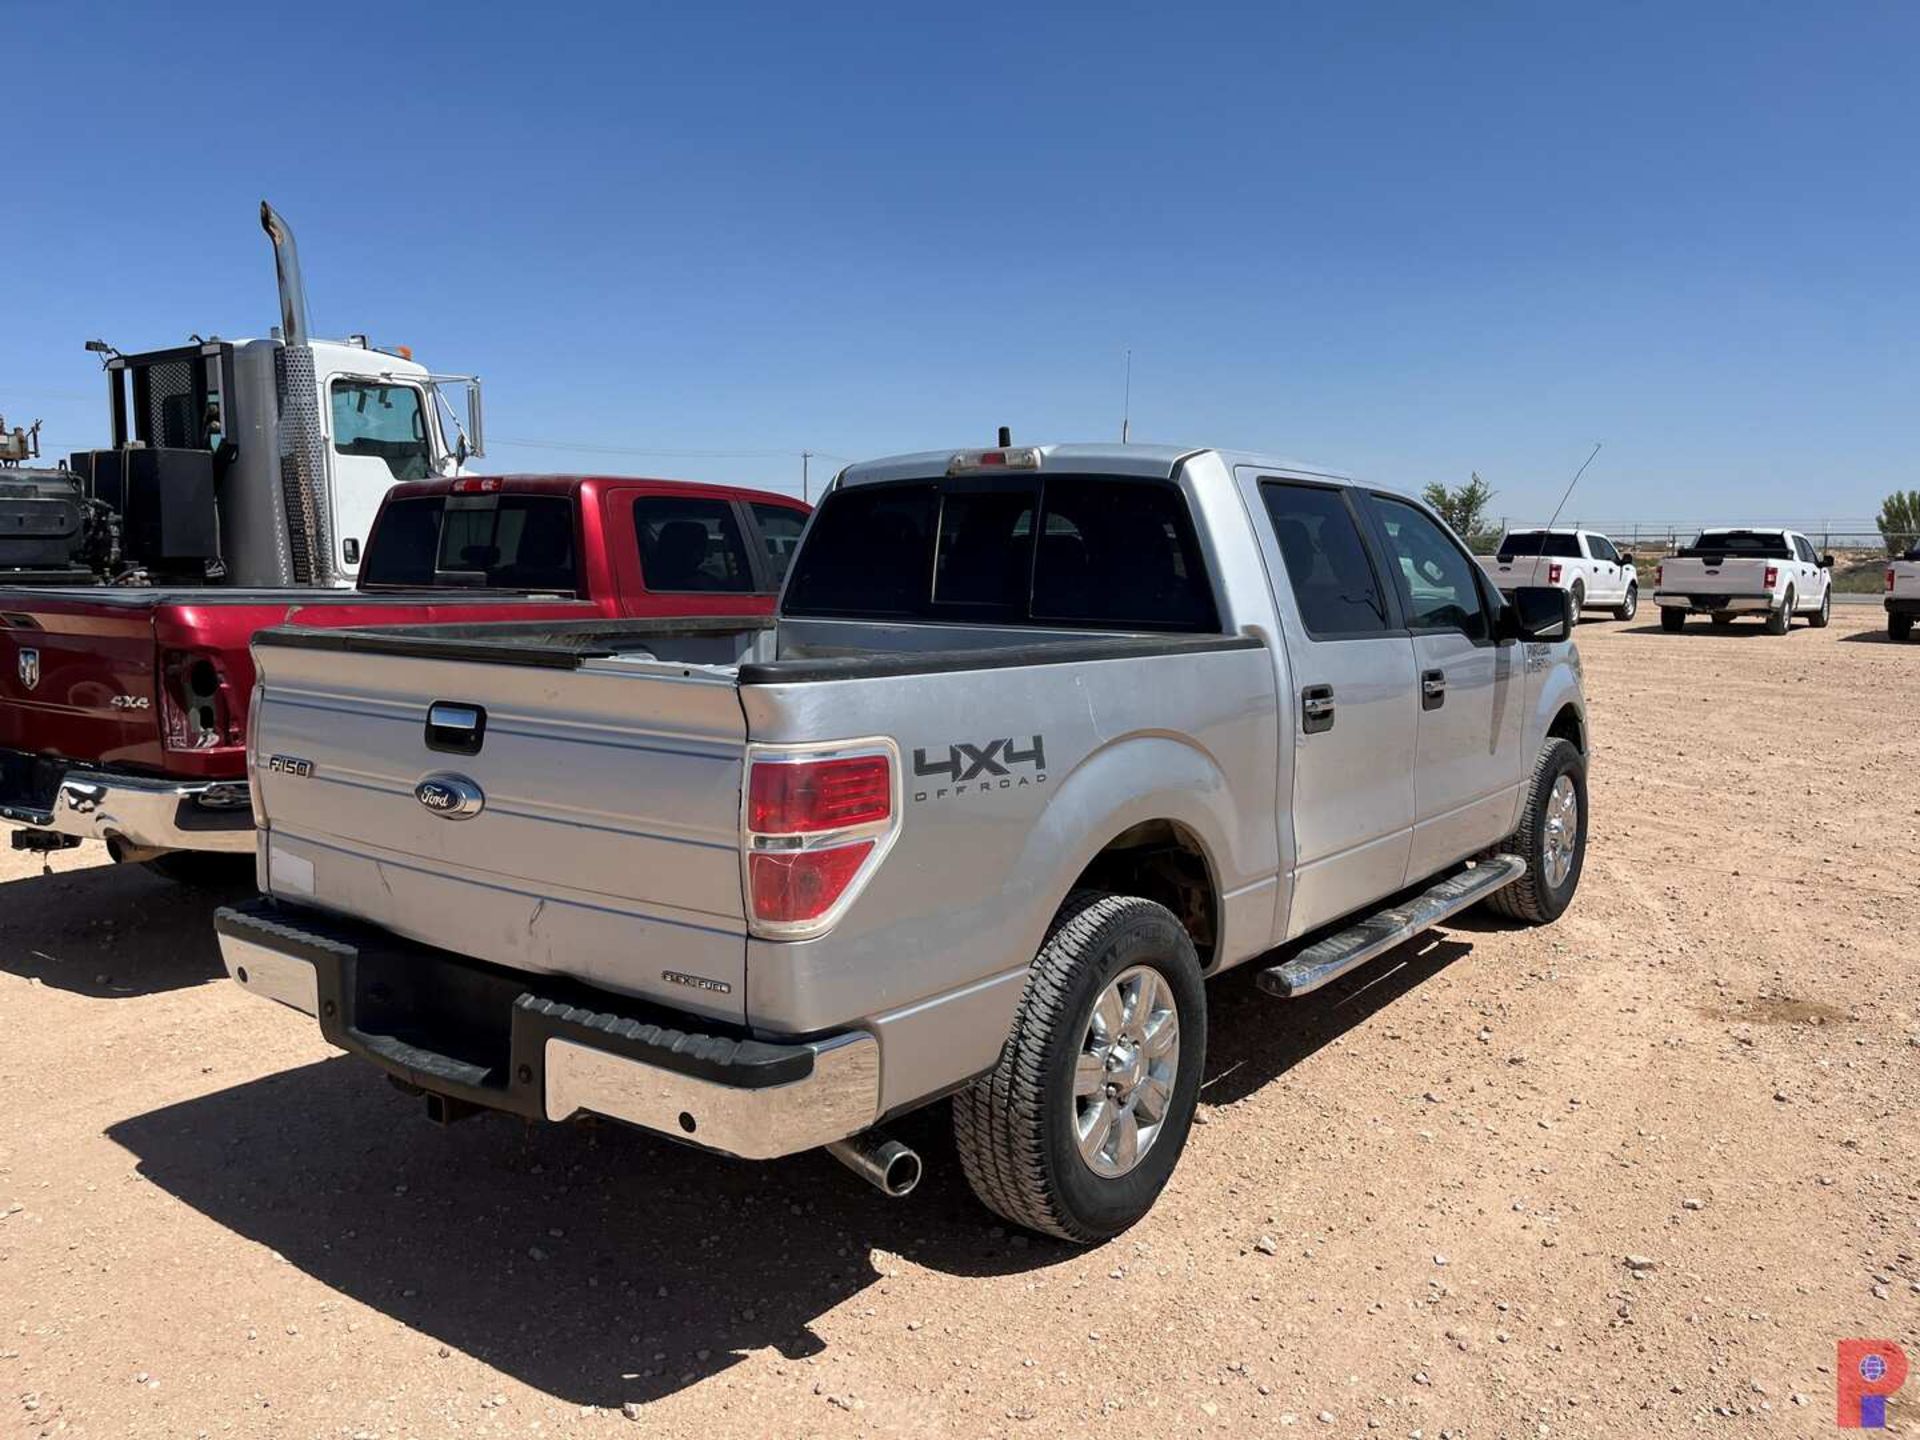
(303, 456)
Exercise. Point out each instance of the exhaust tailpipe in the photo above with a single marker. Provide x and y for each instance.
(294, 326)
(881, 1161)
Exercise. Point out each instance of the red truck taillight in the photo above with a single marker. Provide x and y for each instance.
(1553, 574)
(815, 822)
(1773, 576)
(198, 710)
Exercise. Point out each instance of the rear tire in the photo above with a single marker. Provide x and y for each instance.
(1779, 620)
(1019, 1128)
(1899, 627)
(1673, 619)
(1822, 617)
(1556, 805)
(204, 869)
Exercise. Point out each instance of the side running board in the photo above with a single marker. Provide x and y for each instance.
(1332, 957)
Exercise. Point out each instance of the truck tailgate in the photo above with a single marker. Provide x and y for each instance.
(77, 679)
(606, 845)
(1520, 570)
(1729, 575)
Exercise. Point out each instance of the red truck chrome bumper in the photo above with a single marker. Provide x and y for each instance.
(131, 813)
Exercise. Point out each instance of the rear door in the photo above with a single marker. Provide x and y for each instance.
(1467, 767)
(1353, 716)
(1809, 582)
(1609, 577)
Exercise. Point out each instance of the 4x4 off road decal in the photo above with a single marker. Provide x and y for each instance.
(977, 769)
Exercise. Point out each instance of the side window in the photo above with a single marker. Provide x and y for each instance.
(780, 536)
(1603, 549)
(384, 422)
(1333, 580)
(690, 545)
(1120, 553)
(1805, 548)
(1436, 580)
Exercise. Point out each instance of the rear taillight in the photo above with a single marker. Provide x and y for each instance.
(1889, 577)
(815, 824)
(1773, 576)
(1553, 574)
(1659, 575)
(198, 710)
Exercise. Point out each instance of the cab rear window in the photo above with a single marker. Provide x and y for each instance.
(1540, 542)
(495, 542)
(1074, 551)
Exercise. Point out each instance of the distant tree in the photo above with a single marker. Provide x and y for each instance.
(1900, 520)
(1464, 507)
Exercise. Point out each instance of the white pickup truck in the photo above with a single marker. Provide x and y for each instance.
(1587, 565)
(1903, 594)
(1771, 573)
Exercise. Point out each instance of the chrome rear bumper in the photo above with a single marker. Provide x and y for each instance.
(550, 1059)
(1707, 603)
(144, 812)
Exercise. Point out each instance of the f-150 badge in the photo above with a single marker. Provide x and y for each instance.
(451, 797)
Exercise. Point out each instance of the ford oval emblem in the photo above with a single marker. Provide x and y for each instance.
(451, 797)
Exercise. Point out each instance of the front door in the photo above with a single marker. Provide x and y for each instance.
(380, 435)
(1468, 768)
(1348, 691)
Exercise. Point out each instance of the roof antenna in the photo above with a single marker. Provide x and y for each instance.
(1573, 482)
(1126, 405)
(1006, 436)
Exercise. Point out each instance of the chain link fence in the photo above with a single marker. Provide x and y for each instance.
(1857, 540)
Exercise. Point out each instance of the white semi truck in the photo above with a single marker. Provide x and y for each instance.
(238, 462)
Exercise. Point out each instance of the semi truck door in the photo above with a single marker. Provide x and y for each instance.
(380, 434)
(1349, 705)
(1468, 766)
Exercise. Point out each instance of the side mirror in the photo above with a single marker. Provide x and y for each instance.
(1540, 613)
(1826, 562)
(1626, 557)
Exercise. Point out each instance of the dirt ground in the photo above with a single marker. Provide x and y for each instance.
(1408, 1211)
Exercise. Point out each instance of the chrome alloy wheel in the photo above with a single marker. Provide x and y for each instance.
(1124, 1076)
(1562, 831)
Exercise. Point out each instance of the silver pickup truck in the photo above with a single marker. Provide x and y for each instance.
(1039, 739)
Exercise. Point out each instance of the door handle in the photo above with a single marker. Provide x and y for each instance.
(1433, 689)
(1316, 709)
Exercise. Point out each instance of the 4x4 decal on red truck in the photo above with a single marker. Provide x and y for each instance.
(996, 760)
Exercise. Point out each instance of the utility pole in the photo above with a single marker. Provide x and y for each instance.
(805, 457)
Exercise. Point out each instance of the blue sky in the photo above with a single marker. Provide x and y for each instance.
(1404, 239)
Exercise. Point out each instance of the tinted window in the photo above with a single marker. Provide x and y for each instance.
(1748, 544)
(1327, 565)
(384, 422)
(506, 542)
(690, 544)
(1109, 554)
(779, 536)
(1603, 549)
(1805, 549)
(1437, 584)
(1120, 554)
(1540, 542)
(985, 551)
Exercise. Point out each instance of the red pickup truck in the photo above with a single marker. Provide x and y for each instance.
(123, 712)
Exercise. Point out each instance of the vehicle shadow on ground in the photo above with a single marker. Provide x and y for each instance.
(1252, 1038)
(1742, 629)
(602, 1265)
(110, 931)
(1874, 637)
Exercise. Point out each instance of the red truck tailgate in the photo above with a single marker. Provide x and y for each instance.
(77, 679)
